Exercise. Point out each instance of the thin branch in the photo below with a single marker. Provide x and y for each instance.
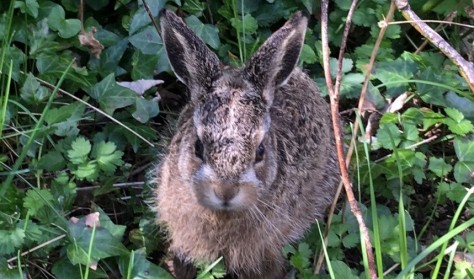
(465, 67)
(38, 247)
(147, 8)
(363, 91)
(334, 98)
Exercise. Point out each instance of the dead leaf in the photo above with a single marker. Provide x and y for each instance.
(398, 103)
(141, 85)
(92, 220)
(93, 265)
(87, 39)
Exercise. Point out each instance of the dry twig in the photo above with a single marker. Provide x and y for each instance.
(465, 67)
(334, 97)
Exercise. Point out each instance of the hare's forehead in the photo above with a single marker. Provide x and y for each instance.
(231, 112)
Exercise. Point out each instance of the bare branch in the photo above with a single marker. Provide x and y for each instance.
(334, 98)
(465, 67)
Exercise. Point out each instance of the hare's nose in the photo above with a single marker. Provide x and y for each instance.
(226, 191)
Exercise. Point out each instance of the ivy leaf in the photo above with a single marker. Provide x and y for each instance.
(107, 157)
(65, 119)
(11, 240)
(80, 149)
(36, 199)
(32, 92)
(112, 96)
(147, 41)
(66, 28)
(207, 32)
(194, 7)
(104, 244)
(145, 109)
(143, 65)
(439, 166)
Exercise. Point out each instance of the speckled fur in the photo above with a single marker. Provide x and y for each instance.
(233, 113)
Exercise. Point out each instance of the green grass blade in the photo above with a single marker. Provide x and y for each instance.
(453, 223)
(425, 253)
(373, 205)
(26, 147)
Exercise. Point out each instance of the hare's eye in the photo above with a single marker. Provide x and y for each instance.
(259, 153)
(198, 148)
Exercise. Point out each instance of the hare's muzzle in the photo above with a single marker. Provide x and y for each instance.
(226, 191)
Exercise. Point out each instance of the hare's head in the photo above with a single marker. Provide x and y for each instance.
(229, 159)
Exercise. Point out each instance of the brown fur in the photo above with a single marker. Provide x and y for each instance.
(227, 203)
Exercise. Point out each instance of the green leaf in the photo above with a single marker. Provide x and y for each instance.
(36, 199)
(107, 157)
(308, 55)
(112, 96)
(395, 74)
(52, 161)
(387, 133)
(66, 28)
(439, 166)
(431, 93)
(143, 65)
(456, 122)
(32, 92)
(142, 268)
(341, 270)
(194, 7)
(145, 109)
(464, 168)
(351, 85)
(65, 119)
(249, 24)
(147, 41)
(453, 191)
(347, 65)
(28, 6)
(464, 105)
(80, 149)
(88, 170)
(11, 240)
(207, 32)
(104, 244)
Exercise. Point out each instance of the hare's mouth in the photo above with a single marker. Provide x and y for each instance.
(235, 198)
(224, 193)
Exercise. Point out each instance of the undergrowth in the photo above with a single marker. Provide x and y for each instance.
(88, 103)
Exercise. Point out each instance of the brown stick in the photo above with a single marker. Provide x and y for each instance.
(466, 68)
(334, 97)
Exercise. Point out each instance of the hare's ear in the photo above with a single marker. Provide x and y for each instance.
(271, 66)
(193, 63)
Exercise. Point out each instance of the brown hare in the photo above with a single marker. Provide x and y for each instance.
(252, 164)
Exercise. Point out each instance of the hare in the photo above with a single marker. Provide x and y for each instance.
(252, 163)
